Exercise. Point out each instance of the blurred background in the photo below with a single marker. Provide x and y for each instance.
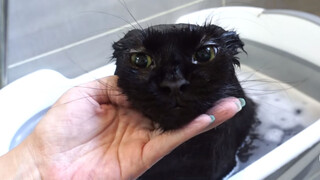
(75, 36)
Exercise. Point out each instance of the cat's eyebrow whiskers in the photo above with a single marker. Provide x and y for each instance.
(216, 19)
(124, 4)
(109, 14)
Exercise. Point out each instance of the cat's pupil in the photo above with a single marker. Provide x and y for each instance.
(141, 60)
(204, 54)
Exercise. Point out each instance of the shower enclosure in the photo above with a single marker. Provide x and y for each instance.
(3, 36)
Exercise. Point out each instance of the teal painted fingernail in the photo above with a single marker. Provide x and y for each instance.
(212, 118)
(242, 101)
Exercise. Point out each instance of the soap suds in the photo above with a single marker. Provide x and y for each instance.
(282, 112)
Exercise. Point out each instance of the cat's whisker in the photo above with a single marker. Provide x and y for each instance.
(91, 96)
(111, 88)
(251, 74)
(251, 81)
(107, 87)
(109, 14)
(254, 86)
(124, 4)
(77, 99)
(216, 19)
(105, 84)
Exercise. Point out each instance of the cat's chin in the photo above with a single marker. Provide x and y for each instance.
(174, 118)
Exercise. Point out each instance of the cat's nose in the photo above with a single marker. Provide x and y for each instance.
(178, 86)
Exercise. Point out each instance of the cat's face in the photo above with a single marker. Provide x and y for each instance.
(173, 73)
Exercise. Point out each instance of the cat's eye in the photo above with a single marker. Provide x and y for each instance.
(141, 60)
(204, 54)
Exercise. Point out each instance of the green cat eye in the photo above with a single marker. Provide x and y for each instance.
(141, 60)
(204, 54)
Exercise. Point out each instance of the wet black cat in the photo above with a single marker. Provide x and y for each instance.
(173, 73)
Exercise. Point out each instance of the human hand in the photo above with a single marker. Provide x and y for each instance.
(92, 133)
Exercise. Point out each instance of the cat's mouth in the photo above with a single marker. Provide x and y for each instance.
(178, 107)
(179, 104)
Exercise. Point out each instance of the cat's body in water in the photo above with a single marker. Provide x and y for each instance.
(172, 74)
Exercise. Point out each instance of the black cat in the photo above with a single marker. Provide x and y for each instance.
(172, 74)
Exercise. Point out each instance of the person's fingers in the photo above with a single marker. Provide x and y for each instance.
(224, 110)
(167, 141)
(102, 91)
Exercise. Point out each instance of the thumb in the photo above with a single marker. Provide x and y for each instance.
(167, 141)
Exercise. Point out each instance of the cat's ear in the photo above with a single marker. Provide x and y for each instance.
(233, 44)
(131, 40)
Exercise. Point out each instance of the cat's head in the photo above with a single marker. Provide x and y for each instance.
(173, 73)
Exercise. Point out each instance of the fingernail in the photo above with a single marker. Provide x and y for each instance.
(212, 118)
(241, 103)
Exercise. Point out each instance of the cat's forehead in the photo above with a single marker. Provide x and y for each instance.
(170, 36)
(172, 27)
(179, 34)
(183, 29)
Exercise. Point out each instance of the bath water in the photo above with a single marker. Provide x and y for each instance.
(282, 112)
